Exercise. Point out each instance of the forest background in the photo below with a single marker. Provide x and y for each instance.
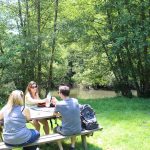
(92, 43)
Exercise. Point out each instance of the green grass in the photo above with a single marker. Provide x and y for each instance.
(125, 121)
(126, 125)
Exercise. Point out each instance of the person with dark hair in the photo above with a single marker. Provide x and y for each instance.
(32, 99)
(70, 112)
(15, 116)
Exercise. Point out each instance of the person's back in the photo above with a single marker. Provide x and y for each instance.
(70, 112)
(15, 116)
(15, 127)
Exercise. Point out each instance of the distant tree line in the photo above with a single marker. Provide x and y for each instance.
(87, 42)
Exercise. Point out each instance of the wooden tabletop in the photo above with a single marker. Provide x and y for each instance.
(41, 112)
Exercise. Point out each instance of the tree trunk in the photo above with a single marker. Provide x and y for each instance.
(39, 42)
(31, 51)
(50, 76)
(23, 54)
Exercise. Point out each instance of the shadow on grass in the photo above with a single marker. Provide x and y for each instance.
(66, 146)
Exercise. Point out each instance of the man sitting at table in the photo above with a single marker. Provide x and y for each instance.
(70, 112)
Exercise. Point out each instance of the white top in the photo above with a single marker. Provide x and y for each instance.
(30, 102)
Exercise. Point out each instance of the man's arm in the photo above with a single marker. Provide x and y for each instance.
(56, 110)
(57, 114)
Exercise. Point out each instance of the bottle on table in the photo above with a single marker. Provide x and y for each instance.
(48, 102)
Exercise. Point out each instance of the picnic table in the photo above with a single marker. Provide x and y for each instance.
(41, 112)
(47, 113)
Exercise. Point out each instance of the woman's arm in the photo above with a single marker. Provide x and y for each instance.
(1, 113)
(30, 100)
(26, 113)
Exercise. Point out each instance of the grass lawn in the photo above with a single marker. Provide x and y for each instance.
(126, 125)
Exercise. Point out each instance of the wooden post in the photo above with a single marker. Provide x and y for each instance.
(84, 143)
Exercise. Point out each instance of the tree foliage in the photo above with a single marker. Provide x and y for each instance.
(84, 42)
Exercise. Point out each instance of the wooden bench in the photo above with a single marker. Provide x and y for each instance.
(55, 138)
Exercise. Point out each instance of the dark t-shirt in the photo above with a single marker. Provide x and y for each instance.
(70, 112)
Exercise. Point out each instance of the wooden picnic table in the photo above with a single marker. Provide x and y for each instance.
(47, 113)
(41, 112)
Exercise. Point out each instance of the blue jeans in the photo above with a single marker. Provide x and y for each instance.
(34, 136)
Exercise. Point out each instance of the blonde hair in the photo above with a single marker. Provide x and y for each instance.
(15, 98)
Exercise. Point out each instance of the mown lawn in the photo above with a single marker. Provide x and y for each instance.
(126, 125)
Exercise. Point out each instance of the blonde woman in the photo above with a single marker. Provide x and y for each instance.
(15, 116)
(32, 99)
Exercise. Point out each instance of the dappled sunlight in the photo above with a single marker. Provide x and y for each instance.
(125, 123)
